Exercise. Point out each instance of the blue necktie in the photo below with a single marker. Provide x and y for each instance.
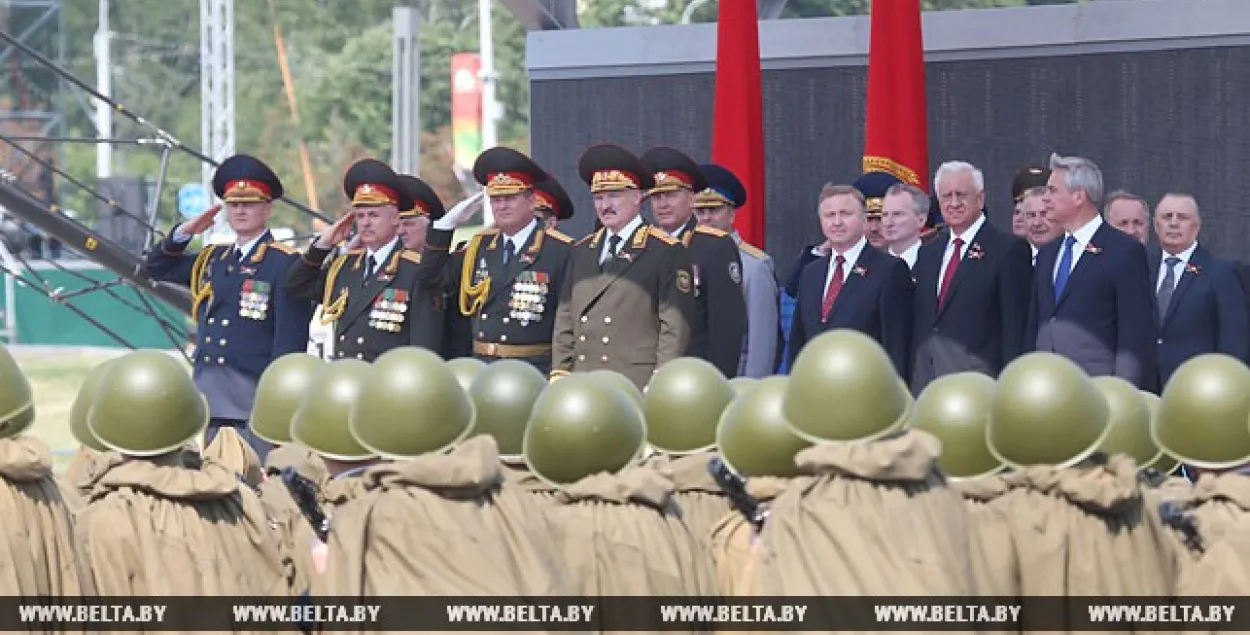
(1065, 267)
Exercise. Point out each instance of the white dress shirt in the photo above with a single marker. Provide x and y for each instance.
(379, 257)
(1179, 268)
(1083, 235)
(967, 235)
(851, 255)
(626, 232)
(518, 239)
(909, 255)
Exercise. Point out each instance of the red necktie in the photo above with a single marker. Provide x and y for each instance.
(831, 294)
(949, 275)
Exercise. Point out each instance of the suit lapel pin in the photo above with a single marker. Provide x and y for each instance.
(860, 271)
(975, 252)
(1192, 268)
(527, 258)
(1093, 249)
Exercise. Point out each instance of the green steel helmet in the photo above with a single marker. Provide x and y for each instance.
(956, 409)
(1165, 463)
(320, 421)
(147, 405)
(503, 395)
(752, 435)
(1204, 413)
(17, 402)
(1129, 422)
(620, 383)
(843, 387)
(88, 392)
(466, 369)
(281, 389)
(412, 404)
(683, 403)
(743, 385)
(1046, 411)
(580, 426)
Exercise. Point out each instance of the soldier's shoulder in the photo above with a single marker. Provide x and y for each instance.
(661, 235)
(558, 236)
(753, 252)
(711, 231)
(489, 231)
(411, 256)
(587, 238)
(283, 248)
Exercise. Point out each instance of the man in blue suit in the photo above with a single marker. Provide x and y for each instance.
(854, 286)
(1198, 297)
(1093, 301)
(245, 316)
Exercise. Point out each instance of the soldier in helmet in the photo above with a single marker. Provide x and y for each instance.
(503, 395)
(154, 505)
(507, 280)
(628, 293)
(377, 294)
(718, 326)
(246, 316)
(551, 203)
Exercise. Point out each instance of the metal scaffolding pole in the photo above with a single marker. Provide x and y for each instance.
(217, 94)
(405, 91)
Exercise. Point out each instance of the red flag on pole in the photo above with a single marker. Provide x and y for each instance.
(738, 121)
(897, 137)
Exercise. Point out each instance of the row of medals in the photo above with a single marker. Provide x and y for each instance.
(388, 316)
(254, 305)
(527, 301)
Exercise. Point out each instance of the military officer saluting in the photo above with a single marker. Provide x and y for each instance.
(507, 280)
(718, 326)
(377, 294)
(628, 292)
(245, 316)
(715, 207)
(551, 203)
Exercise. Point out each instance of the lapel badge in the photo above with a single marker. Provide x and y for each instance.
(1193, 269)
(1093, 249)
(975, 252)
(859, 270)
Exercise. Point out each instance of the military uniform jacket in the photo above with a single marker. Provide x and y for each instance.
(245, 316)
(759, 282)
(395, 307)
(511, 308)
(718, 324)
(632, 315)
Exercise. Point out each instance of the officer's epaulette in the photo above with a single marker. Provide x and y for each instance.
(661, 235)
(411, 256)
(562, 237)
(752, 251)
(585, 239)
(704, 229)
(282, 247)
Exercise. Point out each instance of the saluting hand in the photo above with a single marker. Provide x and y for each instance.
(338, 232)
(200, 223)
(460, 213)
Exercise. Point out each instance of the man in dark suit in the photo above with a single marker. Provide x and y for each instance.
(245, 316)
(380, 295)
(1198, 297)
(855, 286)
(506, 283)
(1092, 295)
(972, 284)
(718, 326)
(628, 290)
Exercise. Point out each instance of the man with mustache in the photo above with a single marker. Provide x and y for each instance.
(628, 291)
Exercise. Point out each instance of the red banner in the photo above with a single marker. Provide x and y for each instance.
(897, 136)
(466, 108)
(738, 128)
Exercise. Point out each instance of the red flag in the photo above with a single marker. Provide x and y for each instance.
(897, 137)
(738, 126)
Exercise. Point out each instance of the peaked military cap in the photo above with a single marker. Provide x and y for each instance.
(243, 178)
(370, 183)
(874, 185)
(673, 171)
(550, 197)
(1026, 179)
(424, 201)
(505, 171)
(723, 188)
(610, 168)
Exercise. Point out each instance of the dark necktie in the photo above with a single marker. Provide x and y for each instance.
(951, 266)
(613, 242)
(368, 267)
(507, 250)
(1065, 267)
(835, 287)
(1167, 287)
(238, 254)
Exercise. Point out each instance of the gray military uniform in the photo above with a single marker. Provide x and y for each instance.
(759, 287)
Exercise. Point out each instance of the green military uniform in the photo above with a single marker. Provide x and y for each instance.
(630, 313)
(377, 306)
(508, 296)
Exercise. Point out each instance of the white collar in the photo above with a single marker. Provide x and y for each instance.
(1184, 255)
(915, 246)
(379, 257)
(1085, 233)
(970, 233)
(626, 231)
(851, 255)
(247, 247)
(520, 238)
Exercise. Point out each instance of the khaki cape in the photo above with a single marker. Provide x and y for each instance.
(229, 449)
(991, 529)
(699, 497)
(734, 541)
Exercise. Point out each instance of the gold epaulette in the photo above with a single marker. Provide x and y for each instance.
(752, 250)
(564, 238)
(585, 239)
(661, 235)
(704, 229)
(411, 256)
(282, 247)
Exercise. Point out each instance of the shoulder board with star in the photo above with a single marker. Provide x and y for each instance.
(282, 247)
(661, 235)
(564, 238)
(411, 256)
(587, 238)
(704, 229)
(752, 251)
